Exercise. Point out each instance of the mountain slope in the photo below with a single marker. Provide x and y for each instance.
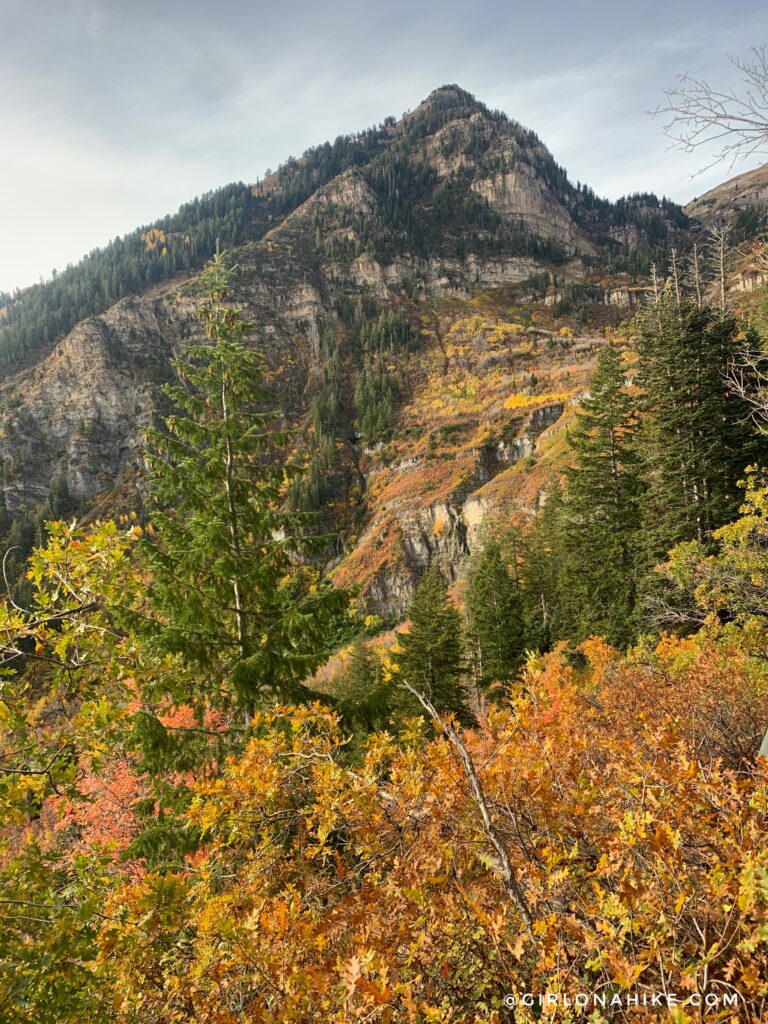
(407, 221)
(448, 175)
(735, 202)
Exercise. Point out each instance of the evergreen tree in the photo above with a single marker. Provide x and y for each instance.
(599, 521)
(60, 501)
(229, 598)
(495, 612)
(431, 658)
(363, 698)
(697, 436)
(542, 559)
(375, 394)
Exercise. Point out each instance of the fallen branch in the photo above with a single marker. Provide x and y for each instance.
(503, 865)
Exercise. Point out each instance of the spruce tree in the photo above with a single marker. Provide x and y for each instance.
(599, 521)
(542, 559)
(227, 596)
(430, 659)
(363, 697)
(495, 612)
(697, 435)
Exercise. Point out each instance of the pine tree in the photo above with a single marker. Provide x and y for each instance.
(431, 651)
(363, 697)
(599, 522)
(228, 597)
(697, 436)
(60, 501)
(495, 612)
(539, 577)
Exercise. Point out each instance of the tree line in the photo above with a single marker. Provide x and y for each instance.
(194, 828)
(180, 242)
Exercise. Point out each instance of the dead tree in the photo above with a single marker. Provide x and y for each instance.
(719, 257)
(732, 121)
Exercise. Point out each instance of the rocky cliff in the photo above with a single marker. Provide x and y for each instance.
(453, 213)
(741, 195)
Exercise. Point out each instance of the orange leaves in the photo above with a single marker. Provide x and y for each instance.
(336, 889)
(106, 810)
(275, 922)
(601, 657)
(351, 973)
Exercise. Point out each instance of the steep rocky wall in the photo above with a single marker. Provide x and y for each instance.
(408, 531)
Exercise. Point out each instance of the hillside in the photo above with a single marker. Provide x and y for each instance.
(740, 201)
(386, 610)
(456, 224)
(451, 177)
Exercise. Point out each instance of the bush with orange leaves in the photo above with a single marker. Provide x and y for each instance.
(623, 795)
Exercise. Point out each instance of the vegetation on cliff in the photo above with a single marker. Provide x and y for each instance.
(417, 209)
(459, 821)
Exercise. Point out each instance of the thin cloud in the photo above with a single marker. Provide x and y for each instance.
(116, 113)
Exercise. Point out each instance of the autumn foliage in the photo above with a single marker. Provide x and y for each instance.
(627, 796)
(599, 829)
(191, 832)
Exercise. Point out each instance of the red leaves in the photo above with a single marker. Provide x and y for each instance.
(105, 812)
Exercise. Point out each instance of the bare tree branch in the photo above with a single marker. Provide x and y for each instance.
(748, 378)
(503, 865)
(736, 122)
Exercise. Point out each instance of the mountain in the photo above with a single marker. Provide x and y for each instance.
(739, 202)
(427, 294)
(448, 176)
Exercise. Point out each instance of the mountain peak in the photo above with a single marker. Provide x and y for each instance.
(454, 93)
(450, 97)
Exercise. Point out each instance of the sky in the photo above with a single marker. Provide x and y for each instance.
(114, 112)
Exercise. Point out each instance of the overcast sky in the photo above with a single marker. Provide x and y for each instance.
(114, 112)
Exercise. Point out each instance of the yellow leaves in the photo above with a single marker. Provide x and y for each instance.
(389, 668)
(504, 332)
(633, 827)
(464, 388)
(523, 401)
(542, 925)
(433, 1014)
(477, 327)
(155, 238)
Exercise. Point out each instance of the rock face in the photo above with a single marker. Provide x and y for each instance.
(724, 203)
(80, 412)
(450, 201)
(446, 530)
